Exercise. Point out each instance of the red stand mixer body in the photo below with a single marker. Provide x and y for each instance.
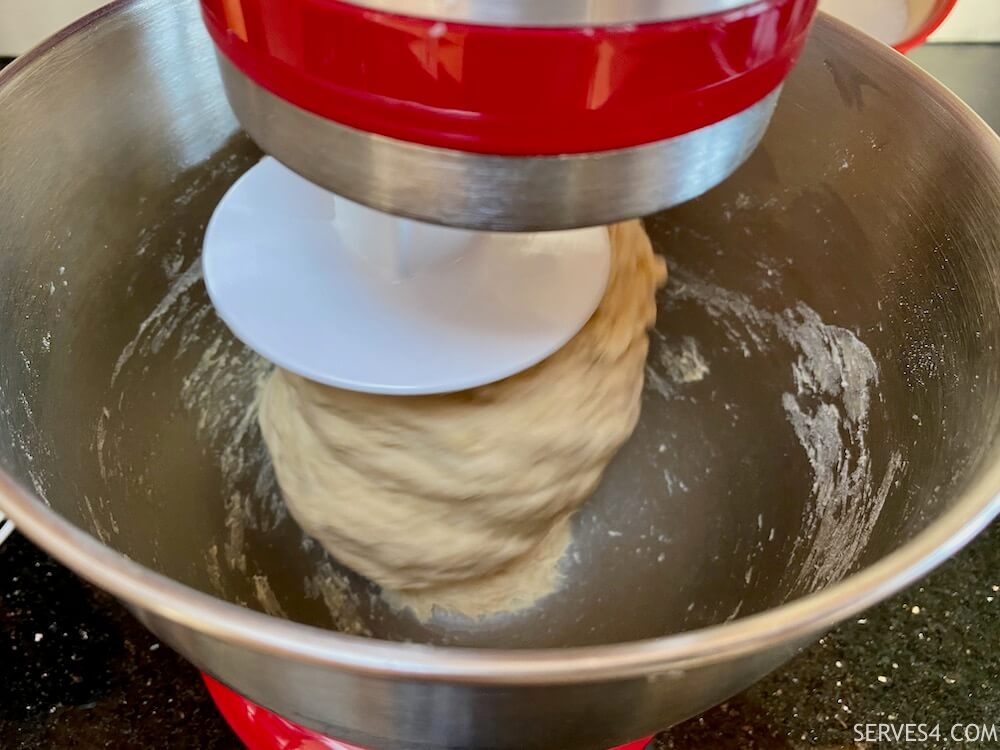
(516, 115)
(508, 115)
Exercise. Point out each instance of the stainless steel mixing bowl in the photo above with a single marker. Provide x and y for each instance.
(820, 424)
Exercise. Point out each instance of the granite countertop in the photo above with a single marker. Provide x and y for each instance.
(79, 672)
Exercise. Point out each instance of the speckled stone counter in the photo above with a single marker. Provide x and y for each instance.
(76, 671)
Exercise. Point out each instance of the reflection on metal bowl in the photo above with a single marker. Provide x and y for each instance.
(820, 422)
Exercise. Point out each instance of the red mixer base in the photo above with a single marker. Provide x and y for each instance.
(259, 729)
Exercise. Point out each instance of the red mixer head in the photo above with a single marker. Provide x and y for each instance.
(508, 114)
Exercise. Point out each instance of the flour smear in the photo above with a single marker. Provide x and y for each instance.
(831, 381)
(220, 390)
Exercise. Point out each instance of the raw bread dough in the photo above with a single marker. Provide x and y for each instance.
(423, 494)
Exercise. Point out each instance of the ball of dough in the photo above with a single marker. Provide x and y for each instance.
(418, 492)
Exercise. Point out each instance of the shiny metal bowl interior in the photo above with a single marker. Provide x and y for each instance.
(820, 421)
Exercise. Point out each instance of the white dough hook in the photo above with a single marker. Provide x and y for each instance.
(355, 298)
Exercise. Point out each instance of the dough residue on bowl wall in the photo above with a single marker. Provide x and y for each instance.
(219, 390)
(828, 403)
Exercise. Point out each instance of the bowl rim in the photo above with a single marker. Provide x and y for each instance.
(793, 622)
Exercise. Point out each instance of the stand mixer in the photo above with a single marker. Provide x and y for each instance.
(487, 116)
(727, 533)
(527, 118)
(484, 116)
